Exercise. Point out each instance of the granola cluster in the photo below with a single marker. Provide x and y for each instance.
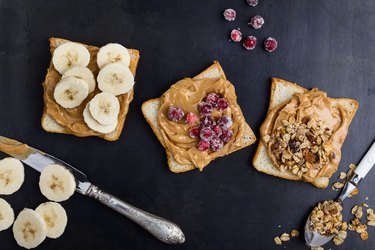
(285, 237)
(326, 217)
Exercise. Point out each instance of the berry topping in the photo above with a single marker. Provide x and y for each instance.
(212, 99)
(175, 113)
(236, 35)
(222, 104)
(250, 42)
(207, 121)
(229, 14)
(257, 22)
(225, 122)
(216, 144)
(206, 134)
(270, 44)
(191, 118)
(203, 145)
(226, 135)
(217, 130)
(194, 132)
(205, 108)
(252, 3)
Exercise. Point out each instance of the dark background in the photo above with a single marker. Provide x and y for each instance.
(324, 44)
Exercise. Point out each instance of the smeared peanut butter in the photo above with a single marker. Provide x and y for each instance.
(186, 94)
(15, 148)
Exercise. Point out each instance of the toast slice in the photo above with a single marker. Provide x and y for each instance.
(282, 91)
(49, 124)
(151, 107)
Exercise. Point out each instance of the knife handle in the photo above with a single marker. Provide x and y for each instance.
(162, 229)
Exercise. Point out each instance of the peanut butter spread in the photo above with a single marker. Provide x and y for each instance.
(186, 94)
(72, 119)
(14, 148)
(304, 136)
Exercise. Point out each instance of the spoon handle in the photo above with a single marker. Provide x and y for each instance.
(366, 163)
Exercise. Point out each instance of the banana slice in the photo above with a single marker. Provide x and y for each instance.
(104, 108)
(70, 92)
(29, 229)
(70, 54)
(57, 183)
(113, 53)
(115, 78)
(95, 125)
(6, 215)
(12, 175)
(83, 73)
(55, 217)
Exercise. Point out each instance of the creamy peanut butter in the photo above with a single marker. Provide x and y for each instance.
(186, 94)
(304, 111)
(14, 148)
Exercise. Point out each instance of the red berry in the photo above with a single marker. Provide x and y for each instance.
(205, 108)
(236, 35)
(194, 132)
(225, 122)
(229, 14)
(270, 44)
(226, 135)
(252, 3)
(206, 134)
(216, 144)
(207, 121)
(175, 113)
(217, 130)
(222, 104)
(212, 98)
(250, 42)
(203, 145)
(191, 118)
(257, 22)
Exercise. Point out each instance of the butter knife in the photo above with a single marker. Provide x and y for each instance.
(162, 229)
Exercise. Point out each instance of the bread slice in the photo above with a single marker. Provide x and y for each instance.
(151, 107)
(49, 124)
(282, 91)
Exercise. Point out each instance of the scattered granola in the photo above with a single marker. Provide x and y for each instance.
(342, 175)
(285, 237)
(294, 233)
(277, 241)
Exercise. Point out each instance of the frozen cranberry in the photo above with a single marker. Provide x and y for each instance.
(207, 121)
(222, 104)
(250, 42)
(194, 132)
(252, 3)
(203, 145)
(225, 121)
(191, 118)
(206, 134)
(217, 130)
(216, 144)
(205, 108)
(229, 14)
(257, 22)
(212, 98)
(226, 135)
(175, 113)
(270, 44)
(236, 35)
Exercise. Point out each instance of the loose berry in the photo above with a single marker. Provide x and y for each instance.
(225, 122)
(236, 35)
(175, 113)
(257, 22)
(207, 121)
(270, 44)
(203, 145)
(206, 134)
(226, 135)
(216, 144)
(191, 118)
(194, 132)
(250, 42)
(252, 3)
(222, 104)
(212, 98)
(229, 14)
(217, 130)
(205, 108)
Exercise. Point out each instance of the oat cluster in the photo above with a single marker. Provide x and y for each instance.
(326, 217)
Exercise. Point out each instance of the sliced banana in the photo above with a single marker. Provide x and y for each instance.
(115, 78)
(70, 54)
(55, 217)
(12, 175)
(57, 183)
(104, 108)
(113, 53)
(6, 215)
(29, 229)
(83, 73)
(70, 92)
(95, 125)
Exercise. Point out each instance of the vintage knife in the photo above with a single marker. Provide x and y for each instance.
(162, 229)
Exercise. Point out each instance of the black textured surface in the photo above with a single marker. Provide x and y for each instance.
(325, 44)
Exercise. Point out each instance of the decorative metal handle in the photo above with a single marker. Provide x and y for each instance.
(162, 229)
